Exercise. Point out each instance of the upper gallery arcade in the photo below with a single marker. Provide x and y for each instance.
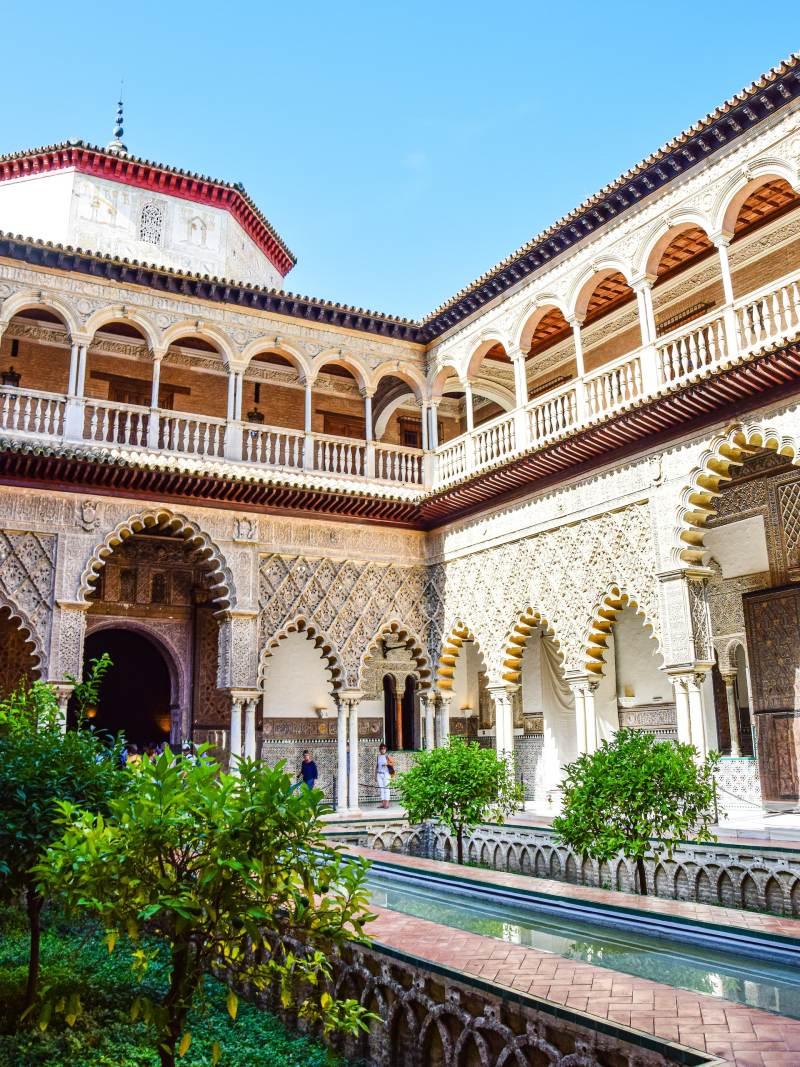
(536, 489)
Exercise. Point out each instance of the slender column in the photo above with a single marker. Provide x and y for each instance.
(352, 791)
(80, 380)
(580, 717)
(250, 729)
(721, 241)
(433, 434)
(231, 395)
(468, 406)
(398, 719)
(425, 420)
(729, 678)
(442, 729)
(236, 735)
(696, 716)
(681, 686)
(308, 441)
(367, 414)
(368, 433)
(580, 369)
(156, 382)
(239, 395)
(647, 324)
(63, 693)
(341, 756)
(73, 368)
(521, 434)
(503, 720)
(591, 715)
(429, 709)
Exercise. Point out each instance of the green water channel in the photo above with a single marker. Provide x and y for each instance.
(757, 983)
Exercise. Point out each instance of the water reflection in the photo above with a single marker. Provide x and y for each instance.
(727, 976)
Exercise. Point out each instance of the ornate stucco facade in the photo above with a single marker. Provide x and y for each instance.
(564, 502)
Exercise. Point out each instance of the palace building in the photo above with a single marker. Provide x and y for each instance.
(565, 501)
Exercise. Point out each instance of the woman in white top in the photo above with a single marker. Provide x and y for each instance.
(384, 769)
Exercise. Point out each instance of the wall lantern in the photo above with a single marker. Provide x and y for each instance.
(10, 377)
(255, 415)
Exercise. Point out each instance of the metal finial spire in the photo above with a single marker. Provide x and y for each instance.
(117, 145)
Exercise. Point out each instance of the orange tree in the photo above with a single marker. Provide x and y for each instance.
(231, 873)
(42, 765)
(636, 796)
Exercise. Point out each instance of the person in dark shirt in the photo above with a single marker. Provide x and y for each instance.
(308, 771)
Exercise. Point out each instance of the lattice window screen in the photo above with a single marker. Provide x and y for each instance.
(151, 224)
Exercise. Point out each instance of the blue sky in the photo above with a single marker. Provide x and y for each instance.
(400, 150)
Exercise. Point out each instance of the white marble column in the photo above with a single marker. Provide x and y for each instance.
(235, 735)
(503, 720)
(580, 370)
(721, 242)
(341, 757)
(442, 727)
(73, 369)
(427, 701)
(353, 784)
(468, 406)
(250, 728)
(729, 678)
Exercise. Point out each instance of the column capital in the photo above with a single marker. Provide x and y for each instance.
(641, 282)
(367, 393)
(582, 682)
(721, 239)
(84, 339)
(351, 696)
(242, 696)
(575, 321)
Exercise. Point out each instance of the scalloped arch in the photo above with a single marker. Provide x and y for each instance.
(525, 622)
(16, 616)
(412, 643)
(206, 552)
(451, 649)
(321, 641)
(716, 466)
(604, 616)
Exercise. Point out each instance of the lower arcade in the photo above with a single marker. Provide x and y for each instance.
(645, 596)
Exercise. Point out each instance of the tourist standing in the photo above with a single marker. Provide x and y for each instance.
(308, 771)
(384, 771)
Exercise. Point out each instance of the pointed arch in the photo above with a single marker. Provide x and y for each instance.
(327, 648)
(30, 299)
(120, 313)
(716, 466)
(399, 630)
(207, 553)
(525, 622)
(602, 622)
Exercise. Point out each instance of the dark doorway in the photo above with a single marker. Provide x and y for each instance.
(409, 712)
(390, 716)
(135, 696)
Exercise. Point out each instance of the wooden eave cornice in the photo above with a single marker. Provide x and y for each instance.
(724, 396)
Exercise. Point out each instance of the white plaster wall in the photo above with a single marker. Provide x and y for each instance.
(465, 680)
(638, 661)
(38, 206)
(532, 697)
(297, 681)
(103, 216)
(605, 697)
(538, 697)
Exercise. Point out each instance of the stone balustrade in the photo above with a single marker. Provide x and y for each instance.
(762, 319)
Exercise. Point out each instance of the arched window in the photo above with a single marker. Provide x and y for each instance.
(151, 223)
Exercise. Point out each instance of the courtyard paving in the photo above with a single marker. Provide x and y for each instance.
(745, 1037)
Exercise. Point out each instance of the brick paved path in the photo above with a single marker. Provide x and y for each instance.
(746, 1037)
